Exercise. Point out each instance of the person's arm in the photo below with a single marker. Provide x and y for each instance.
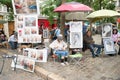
(64, 45)
(53, 45)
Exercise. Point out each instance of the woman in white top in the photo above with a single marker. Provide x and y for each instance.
(59, 48)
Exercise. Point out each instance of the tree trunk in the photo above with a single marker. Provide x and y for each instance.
(62, 19)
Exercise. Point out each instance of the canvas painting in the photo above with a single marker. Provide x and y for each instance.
(107, 30)
(29, 52)
(76, 26)
(41, 55)
(30, 21)
(76, 40)
(109, 46)
(25, 6)
(24, 63)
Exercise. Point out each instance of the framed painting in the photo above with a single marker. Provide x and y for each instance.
(76, 40)
(107, 30)
(109, 46)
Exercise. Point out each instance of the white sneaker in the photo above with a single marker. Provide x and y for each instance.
(62, 64)
(66, 63)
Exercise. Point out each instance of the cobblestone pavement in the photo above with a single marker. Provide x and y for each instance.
(101, 68)
(9, 74)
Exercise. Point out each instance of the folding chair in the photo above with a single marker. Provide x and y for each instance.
(75, 58)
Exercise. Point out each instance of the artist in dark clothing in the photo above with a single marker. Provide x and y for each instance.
(88, 41)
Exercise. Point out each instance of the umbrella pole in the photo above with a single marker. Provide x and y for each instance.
(117, 24)
(90, 26)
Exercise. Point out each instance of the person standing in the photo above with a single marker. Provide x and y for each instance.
(56, 33)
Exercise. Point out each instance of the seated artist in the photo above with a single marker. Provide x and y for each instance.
(115, 38)
(90, 43)
(59, 48)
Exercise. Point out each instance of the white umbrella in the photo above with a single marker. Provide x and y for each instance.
(103, 14)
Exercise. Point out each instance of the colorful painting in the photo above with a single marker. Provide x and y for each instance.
(25, 6)
(24, 63)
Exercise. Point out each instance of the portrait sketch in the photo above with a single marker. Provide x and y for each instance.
(76, 40)
(107, 30)
(20, 17)
(75, 26)
(45, 33)
(109, 46)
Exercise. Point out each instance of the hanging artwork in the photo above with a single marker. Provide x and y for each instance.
(76, 26)
(107, 30)
(45, 33)
(76, 40)
(26, 6)
(27, 29)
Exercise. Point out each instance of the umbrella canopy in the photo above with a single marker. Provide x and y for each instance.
(76, 16)
(72, 6)
(103, 14)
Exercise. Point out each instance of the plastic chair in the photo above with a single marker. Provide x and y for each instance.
(75, 58)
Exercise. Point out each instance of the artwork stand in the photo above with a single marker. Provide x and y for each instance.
(6, 57)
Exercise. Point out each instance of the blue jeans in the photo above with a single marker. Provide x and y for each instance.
(92, 46)
(62, 53)
(12, 45)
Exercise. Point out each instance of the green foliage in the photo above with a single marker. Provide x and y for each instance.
(8, 3)
(48, 9)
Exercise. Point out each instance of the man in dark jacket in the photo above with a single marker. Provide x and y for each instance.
(89, 42)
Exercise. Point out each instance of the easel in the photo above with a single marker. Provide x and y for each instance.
(5, 57)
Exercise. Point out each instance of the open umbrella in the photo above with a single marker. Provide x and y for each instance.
(76, 16)
(72, 6)
(102, 14)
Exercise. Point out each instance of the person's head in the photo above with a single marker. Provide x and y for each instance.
(60, 37)
(88, 33)
(115, 31)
